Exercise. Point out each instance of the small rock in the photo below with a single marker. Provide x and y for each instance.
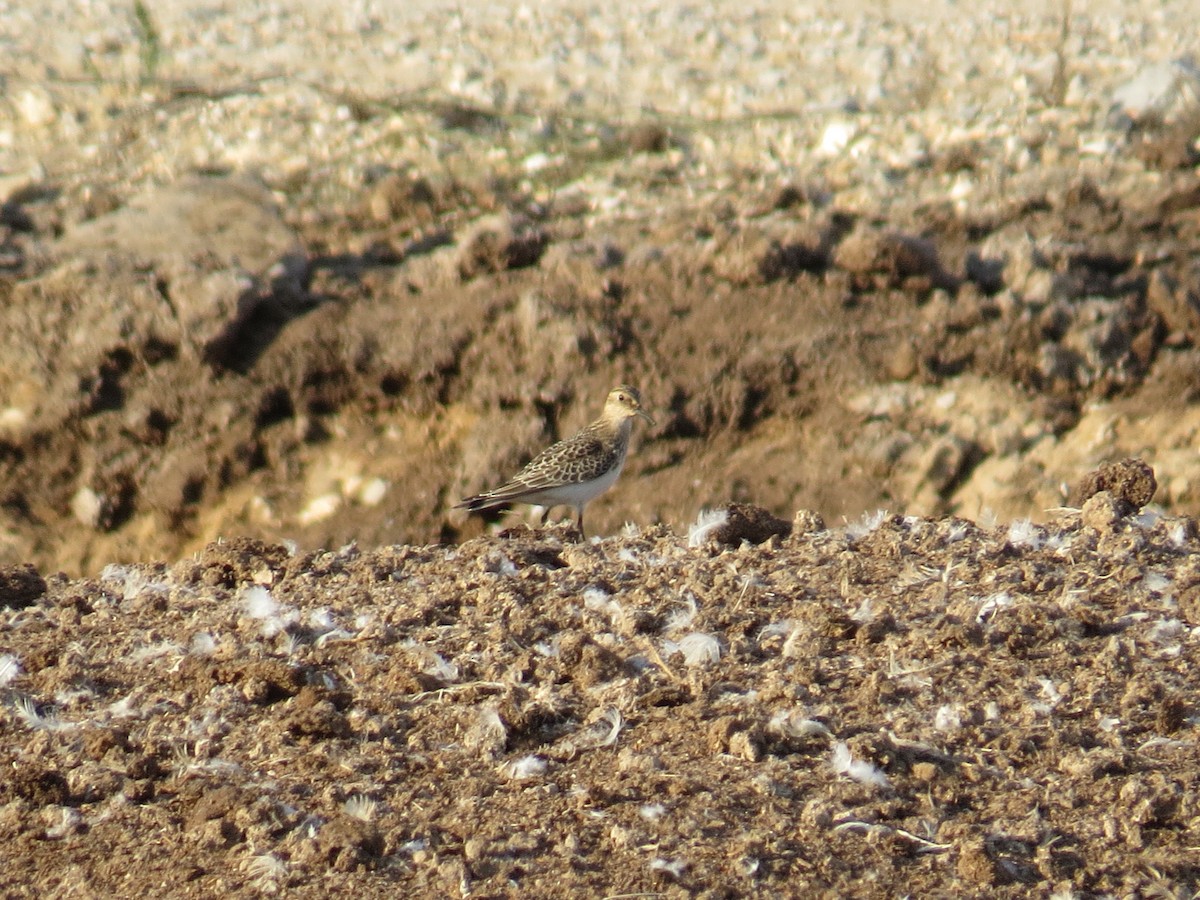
(836, 137)
(924, 771)
(1022, 264)
(789, 195)
(176, 482)
(1158, 92)
(902, 362)
(1101, 512)
(86, 507)
(36, 107)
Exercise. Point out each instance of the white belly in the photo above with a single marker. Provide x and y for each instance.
(576, 494)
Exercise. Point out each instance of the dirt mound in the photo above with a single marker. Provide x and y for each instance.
(315, 310)
(795, 356)
(952, 709)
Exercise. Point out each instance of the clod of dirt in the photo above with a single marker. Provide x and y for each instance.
(891, 257)
(647, 137)
(1173, 148)
(315, 715)
(752, 524)
(20, 586)
(591, 663)
(213, 804)
(238, 561)
(787, 259)
(498, 243)
(36, 784)
(1176, 302)
(405, 197)
(348, 844)
(1131, 483)
(807, 521)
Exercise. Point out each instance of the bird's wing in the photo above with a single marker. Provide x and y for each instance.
(566, 462)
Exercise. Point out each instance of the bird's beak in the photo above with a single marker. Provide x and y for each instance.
(645, 415)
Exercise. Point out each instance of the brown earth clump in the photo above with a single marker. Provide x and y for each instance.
(1129, 481)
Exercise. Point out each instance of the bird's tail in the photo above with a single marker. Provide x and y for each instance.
(477, 503)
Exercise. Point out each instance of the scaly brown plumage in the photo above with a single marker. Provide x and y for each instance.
(576, 470)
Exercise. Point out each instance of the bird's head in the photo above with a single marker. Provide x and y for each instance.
(624, 402)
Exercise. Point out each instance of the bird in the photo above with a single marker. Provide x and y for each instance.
(576, 470)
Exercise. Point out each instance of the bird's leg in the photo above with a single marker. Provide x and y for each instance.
(546, 515)
(579, 521)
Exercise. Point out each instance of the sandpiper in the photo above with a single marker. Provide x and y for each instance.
(574, 471)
